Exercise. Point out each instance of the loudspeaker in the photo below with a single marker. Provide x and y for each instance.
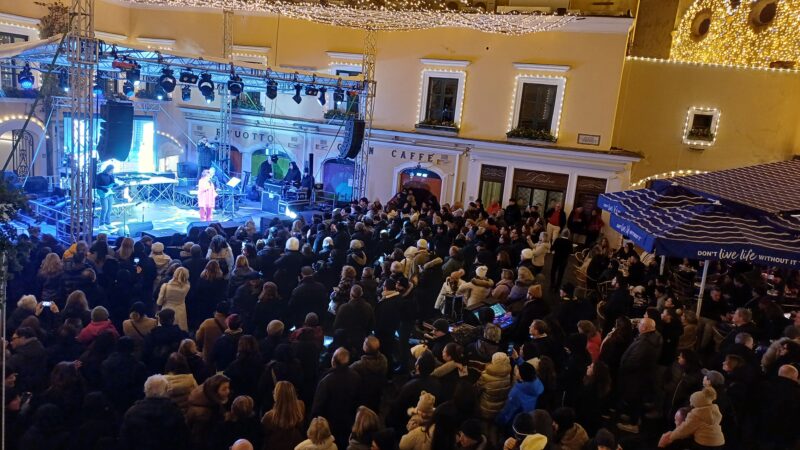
(163, 235)
(188, 169)
(353, 137)
(36, 185)
(135, 228)
(116, 133)
(193, 229)
(231, 225)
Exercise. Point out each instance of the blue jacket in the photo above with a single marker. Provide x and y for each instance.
(522, 398)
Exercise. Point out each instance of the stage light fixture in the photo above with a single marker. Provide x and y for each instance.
(322, 98)
(235, 84)
(161, 94)
(272, 89)
(188, 77)
(25, 77)
(296, 97)
(63, 80)
(167, 80)
(97, 89)
(128, 89)
(134, 74)
(312, 90)
(186, 93)
(338, 95)
(206, 86)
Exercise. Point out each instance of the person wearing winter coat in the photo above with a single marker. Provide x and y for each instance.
(338, 396)
(409, 393)
(283, 423)
(534, 308)
(155, 422)
(569, 435)
(503, 287)
(372, 367)
(470, 436)
(172, 295)
(637, 370)
(309, 296)
(519, 291)
(495, 383)
(450, 287)
(420, 426)
(123, 375)
(523, 396)
(478, 290)
(702, 424)
(319, 436)
(28, 360)
(540, 250)
(288, 267)
(180, 379)
(562, 249)
(99, 324)
(207, 409)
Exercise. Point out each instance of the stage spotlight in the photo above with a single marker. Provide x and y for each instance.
(272, 89)
(128, 89)
(338, 96)
(63, 80)
(133, 75)
(206, 87)
(25, 77)
(167, 80)
(188, 77)
(161, 94)
(312, 90)
(296, 97)
(186, 93)
(321, 98)
(235, 84)
(97, 89)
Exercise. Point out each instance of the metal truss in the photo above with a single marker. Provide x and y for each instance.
(367, 109)
(82, 56)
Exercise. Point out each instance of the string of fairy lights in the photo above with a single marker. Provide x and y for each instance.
(398, 15)
(754, 33)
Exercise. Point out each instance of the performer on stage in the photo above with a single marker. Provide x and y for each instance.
(104, 182)
(292, 175)
(264, 173)
(308, 180)
(206, 195)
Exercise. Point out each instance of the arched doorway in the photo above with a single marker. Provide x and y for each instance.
(236, 160)
(337, 176)
(420, 178)
(21, 161)
(280, 161)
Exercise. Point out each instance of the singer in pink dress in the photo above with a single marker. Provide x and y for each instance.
(206, 196)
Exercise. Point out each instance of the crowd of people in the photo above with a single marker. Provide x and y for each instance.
(375, 327)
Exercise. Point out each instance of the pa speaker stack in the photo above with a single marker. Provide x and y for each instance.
(116, 132)
(353, 137)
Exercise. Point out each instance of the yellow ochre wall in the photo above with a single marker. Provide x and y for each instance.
(759, 122)
(592, 88)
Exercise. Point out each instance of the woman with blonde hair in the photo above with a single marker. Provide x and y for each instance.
(319, 436)
(125, 252)
(173, 296)
(49, 278)
(77, 307)
(341, 293)
(365, 425)
(283, 423)
(239, 274)
(194, 358)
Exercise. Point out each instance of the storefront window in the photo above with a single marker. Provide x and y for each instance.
(418, 178)
(491, 186)
(532, 187)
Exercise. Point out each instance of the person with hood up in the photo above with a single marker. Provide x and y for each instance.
(478, 290)
(450, 287)
(99, 324)
(207, 409)
(523, 395)
(702, 424)
(569, 435)
(420, 426)
(495, 383)
(470, 436)
(356, 256)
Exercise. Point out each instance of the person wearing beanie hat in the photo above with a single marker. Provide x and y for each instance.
(99, 324)
(568, 433)
(450, 287)
(420, 427)
(478, 290)
(713, 379)
(470, 436)
(702, 423)
(423, 412)
(523, 395)
(157, 253)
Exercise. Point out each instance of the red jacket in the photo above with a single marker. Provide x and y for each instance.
(87, 335)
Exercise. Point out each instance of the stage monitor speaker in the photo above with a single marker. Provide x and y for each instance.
(193, 229)
(116, 132)
(188, 169)
(36, 185)
(163, 235)
(135, 228)
(353, 137)
(231, 225)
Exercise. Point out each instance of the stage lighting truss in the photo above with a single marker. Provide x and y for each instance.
(167, 80)
(25, 77)
(63, 80)
(97, 89)
(188, 77)
(206, 86)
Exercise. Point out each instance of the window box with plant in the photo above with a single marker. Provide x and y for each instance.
(700, 127)
(441, 103)
(537, 109)
(531, 134)
(700, 134)
(447, 126)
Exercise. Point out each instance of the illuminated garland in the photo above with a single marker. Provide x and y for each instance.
(671, 174)
(403, 15)
(734, 39)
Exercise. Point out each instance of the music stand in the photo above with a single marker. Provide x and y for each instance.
(229, 207)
